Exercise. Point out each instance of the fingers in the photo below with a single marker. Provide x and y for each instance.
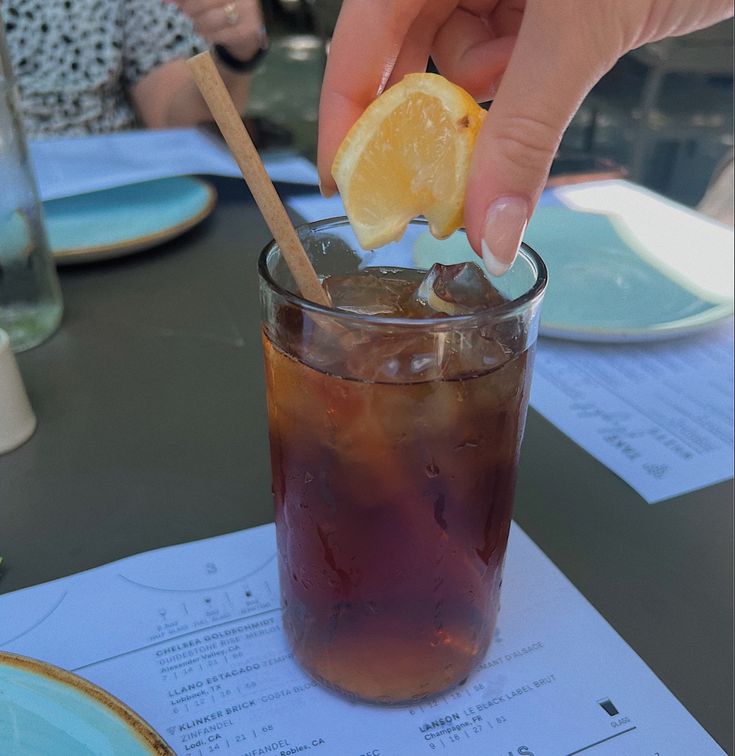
(418, 42)
(554, 64)
(542, 57)
(468, 51)
(235, 24)
(196, 7)
(367, 42)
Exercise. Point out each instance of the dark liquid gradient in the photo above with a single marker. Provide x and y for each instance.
(393, 505)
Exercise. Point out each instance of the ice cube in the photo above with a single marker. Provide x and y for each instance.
(375, 291)
(400, 355)
(458, 289)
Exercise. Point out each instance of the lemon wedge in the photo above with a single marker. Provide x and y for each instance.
(408, 154)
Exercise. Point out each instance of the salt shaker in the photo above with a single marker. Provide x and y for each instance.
(17, 421)
(30, 297)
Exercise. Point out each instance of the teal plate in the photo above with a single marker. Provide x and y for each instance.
(125, 219)
(602, 286)
(45, 710)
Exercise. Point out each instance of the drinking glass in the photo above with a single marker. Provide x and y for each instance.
(394, 448)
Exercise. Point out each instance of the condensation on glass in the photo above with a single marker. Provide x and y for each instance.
(394, 449)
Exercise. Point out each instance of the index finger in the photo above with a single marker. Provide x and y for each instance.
(367, 40)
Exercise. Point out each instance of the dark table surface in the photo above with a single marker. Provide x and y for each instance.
(152, 431)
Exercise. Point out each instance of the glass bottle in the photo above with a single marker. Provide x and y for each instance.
(30, 297)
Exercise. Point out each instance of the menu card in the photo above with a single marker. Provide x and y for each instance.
(658, 415)
(77, 165)
(190, 637)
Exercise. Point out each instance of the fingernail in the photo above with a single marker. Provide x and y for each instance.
(325, 191)
(505, 224)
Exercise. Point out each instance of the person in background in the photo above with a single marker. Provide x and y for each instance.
(95, 66)
(536, 59)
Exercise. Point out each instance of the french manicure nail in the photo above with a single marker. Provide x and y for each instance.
(505, 224)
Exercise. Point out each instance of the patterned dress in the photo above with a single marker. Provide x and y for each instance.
(75, 60)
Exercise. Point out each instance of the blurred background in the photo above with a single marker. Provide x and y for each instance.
(663, 116)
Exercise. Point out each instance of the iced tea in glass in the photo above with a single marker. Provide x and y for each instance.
(395, 422)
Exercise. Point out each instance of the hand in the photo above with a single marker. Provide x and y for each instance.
(234, 24)
(538, 59)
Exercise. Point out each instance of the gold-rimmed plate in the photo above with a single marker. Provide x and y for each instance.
(126, 219)
(44, 709)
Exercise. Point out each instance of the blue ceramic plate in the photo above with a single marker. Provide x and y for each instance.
(605, 286)
(46, 710)
(126, 219)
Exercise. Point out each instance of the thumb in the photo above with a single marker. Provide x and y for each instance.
(553, 66)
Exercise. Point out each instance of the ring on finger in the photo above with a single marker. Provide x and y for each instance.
(231, 14)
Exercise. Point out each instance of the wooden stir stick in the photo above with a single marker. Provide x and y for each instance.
(230, 123)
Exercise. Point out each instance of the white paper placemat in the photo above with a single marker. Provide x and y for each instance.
(190, 637)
